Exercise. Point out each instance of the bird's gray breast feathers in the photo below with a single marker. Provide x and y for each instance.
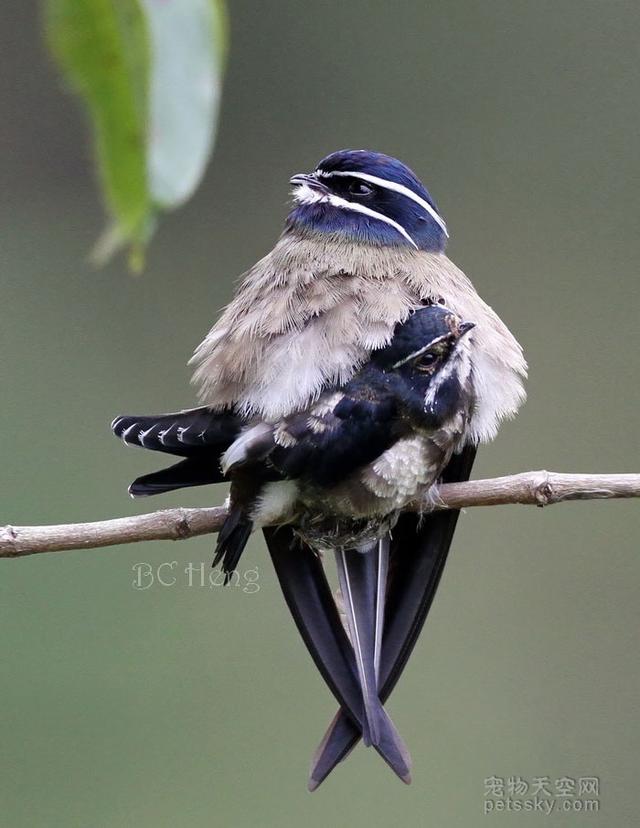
(309, 314)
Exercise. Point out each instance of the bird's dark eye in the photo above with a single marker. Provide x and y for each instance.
(359, 188)
(428, 362)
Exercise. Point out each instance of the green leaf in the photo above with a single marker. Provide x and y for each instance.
(150, 74)
(102, 48)
(188, 43)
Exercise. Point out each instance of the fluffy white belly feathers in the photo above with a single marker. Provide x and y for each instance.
(308, 315)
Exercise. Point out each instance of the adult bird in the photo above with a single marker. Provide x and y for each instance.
(363, 247)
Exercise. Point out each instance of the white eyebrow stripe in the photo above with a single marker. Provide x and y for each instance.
(391, 185)
(419, 352)
(304, 194)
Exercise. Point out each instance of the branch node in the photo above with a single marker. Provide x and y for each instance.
(8, 538)
(543, 492)
(182, 526)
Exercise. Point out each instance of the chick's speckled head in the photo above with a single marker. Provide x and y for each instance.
(425, 340)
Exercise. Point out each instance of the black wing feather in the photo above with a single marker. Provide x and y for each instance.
(197, 471)
(331, 446)
(184, 433)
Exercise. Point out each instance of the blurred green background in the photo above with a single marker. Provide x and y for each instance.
(197, 706)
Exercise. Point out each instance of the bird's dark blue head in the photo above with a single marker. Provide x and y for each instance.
(367, 197)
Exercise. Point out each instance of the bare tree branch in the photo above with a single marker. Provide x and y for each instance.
(538, 488)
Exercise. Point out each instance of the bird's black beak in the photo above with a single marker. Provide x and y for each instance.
(309, 180)
(465, 327)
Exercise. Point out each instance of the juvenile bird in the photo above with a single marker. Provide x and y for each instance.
(362, 249)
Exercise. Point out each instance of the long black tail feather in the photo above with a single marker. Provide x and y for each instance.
(419, 552)
(310, 601)
(232, 539)
(362, 575)
(413, 583)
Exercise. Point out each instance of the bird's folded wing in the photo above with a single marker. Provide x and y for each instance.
(338, 435)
